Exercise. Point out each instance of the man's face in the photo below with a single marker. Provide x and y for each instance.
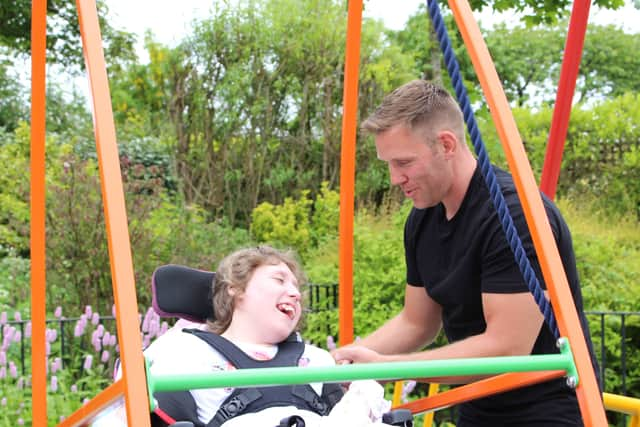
(415, 165)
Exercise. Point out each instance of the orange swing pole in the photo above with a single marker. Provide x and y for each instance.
(479, 389)
(133, 369)
(348, 171)
(37, 224)
(587, 391)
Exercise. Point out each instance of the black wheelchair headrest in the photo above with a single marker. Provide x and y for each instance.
(179, 291)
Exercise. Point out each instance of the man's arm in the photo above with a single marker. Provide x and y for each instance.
(412, 329)
(513, 323)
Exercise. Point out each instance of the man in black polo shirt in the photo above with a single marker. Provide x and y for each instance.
(457, 252)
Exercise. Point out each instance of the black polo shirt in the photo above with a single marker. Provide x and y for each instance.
(457, 260)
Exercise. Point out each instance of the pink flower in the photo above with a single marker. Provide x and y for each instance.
(113, 310)
(27, 330)
(58, 312)
(147, 320)
(88, 311)
(3, 358)
(331, 344)
(56, 365)
(3, 318)
(3, 372)
(105, 356)
(51, 335)
(20, 383)
(17, 337)
(54, 384)
(78, 330)
(13, 370)
(17, 316)
(87, 362)
(20, 422)
(407, 388)
(100, 330)
(74, 388)
(95, 318)
(106, 339)
(96, 342)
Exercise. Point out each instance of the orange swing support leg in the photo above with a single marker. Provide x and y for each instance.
(348, 171)
(587, 391)
(133, 369)
(38, 251)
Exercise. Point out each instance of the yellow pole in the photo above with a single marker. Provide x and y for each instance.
(428, 417)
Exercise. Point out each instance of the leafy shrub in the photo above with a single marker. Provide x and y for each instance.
(302, 224)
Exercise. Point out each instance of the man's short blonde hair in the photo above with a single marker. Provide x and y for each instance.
(419, 106)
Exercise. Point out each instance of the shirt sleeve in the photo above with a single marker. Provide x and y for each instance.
(413, 277)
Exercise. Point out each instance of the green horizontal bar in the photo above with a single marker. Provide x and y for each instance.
(376, 371)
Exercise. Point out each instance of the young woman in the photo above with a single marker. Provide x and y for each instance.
(258, 306)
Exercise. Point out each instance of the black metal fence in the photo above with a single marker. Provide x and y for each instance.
(325, 297)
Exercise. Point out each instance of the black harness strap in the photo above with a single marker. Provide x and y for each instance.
(246, 400)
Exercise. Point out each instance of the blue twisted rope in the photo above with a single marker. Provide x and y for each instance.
(487, 169)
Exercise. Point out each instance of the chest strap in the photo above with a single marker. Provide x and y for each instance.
(249, 400)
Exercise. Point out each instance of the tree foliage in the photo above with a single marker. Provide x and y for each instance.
(63, 32)
(254, 100)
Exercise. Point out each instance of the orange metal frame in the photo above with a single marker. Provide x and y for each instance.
(133, 384)
(134, 381)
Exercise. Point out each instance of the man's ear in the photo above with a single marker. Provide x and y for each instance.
(449, 142)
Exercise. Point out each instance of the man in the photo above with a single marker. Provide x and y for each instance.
(457, 252)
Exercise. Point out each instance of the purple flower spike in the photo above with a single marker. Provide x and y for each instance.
(3, 358)
(27, 330)
(113, 310)
(17, 316)
(3, 318)
(58, 312)
(17, 337)
(54, 384)
(20, 383)
(105, 356)
(95, 318)
(88, 311)
(331, 344)
(106, 339)
(13, 370)
(74, 388)
(100, 331)
(87, 362)
(3, 372)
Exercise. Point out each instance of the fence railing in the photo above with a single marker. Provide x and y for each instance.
(325, 297)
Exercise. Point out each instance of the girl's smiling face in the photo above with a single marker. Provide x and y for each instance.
(269, 309)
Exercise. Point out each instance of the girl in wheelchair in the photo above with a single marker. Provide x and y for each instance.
(257, 307)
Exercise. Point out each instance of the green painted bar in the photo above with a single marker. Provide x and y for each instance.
(376, 371)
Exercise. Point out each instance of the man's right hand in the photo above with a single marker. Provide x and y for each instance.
(355, 353)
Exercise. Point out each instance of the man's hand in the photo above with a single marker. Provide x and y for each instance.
(357, 354)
